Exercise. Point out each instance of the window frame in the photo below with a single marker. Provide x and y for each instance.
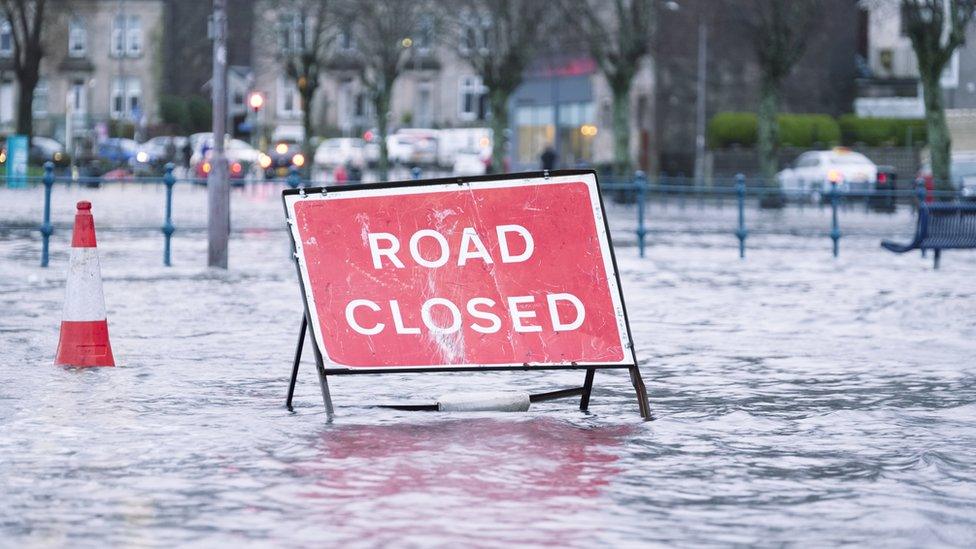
(77, 35)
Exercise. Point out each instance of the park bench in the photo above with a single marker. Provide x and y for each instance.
(941, 226)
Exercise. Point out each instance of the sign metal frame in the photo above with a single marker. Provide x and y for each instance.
(590, 368)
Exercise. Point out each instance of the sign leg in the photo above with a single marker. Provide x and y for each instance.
(326, 395)
(298, 359)
(645, 407)
(587, 388)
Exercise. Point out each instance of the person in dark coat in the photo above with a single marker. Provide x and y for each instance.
(548, 158)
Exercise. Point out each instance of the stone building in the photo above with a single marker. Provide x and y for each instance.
(99, 71)
(440, 90)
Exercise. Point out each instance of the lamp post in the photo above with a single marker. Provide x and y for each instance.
(256, 102)
(218, 186)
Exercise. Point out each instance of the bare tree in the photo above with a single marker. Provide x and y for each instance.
(618, 35)
(383, 31)
(498, 38)
(936, 28)
(306, 28)
(26, 19)
(779, 31)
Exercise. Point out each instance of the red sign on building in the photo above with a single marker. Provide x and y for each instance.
(504, 272)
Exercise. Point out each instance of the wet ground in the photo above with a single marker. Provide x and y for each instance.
(799, 398)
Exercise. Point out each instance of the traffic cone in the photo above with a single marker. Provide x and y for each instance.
(84, 328)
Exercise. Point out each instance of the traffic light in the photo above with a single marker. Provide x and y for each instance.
(255, 101)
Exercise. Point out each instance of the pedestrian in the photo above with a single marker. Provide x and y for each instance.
(340, 174)
(187, 154)
(170, 150)
(548, 158)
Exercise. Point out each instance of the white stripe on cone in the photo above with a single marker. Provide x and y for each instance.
(84, 299)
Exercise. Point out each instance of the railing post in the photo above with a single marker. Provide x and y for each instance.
(920, 196)
(741, 233)
(293, 177)
(640, 181)
(46, 228)
(416, 173)
(834, 227)
(168, 229)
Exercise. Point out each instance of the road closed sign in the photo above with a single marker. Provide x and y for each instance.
(505, 271)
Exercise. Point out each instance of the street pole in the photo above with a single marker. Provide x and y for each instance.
(218, 187)
(700, 106)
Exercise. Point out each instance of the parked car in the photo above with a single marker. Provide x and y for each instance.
(44, 149)
(962, 171)
(811, 175)
(116, 151)
(240, 159)
(454, 140)
(471, 162)
(413, 146)
(341, 151)
(154, 154)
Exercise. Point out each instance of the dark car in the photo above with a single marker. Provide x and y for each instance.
(116, 151)
(278, 161)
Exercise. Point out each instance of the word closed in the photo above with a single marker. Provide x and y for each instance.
(507, 274)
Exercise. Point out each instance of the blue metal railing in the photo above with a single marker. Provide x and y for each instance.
(636, 190)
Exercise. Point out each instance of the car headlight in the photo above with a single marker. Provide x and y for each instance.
(142, 157)
(264, 161)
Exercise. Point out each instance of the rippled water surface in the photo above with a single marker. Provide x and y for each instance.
(798, 399)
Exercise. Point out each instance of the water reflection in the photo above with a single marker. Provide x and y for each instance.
(474, 475)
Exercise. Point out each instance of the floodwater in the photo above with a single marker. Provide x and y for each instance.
(799, 399)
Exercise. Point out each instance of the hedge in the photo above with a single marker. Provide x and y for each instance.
(807, 130)
(732, 128)
(797, 130)
(882, 131)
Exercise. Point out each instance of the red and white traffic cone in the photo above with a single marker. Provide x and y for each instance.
(84, 328)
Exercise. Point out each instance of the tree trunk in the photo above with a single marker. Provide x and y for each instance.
(381, 104)
(307, 95)
(499, 126)
(768, 132)
(940, 142)
(25, 105)
(621, 128)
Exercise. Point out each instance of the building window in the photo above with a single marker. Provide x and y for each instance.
(472, 98)
(118, 36)
(126, 36)
(291, 32)
(289, 100)
(40, 99)
(126, 98)
(425, 105)
(474, 32)
(133, 34)
(77, 38)
(6, 101)
(536, 130)
(425, 34)
(79, 103)
(347, 42)
(6, 39)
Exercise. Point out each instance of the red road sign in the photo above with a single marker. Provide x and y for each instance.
(503, 272)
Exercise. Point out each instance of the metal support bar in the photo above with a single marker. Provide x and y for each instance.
(834, 226)
(643, 405)
(936, 257)
(553, 395)
(46, 228)
(168, 228)
(640, 180)
(741, 233)
(587, 389)
(298, 360)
